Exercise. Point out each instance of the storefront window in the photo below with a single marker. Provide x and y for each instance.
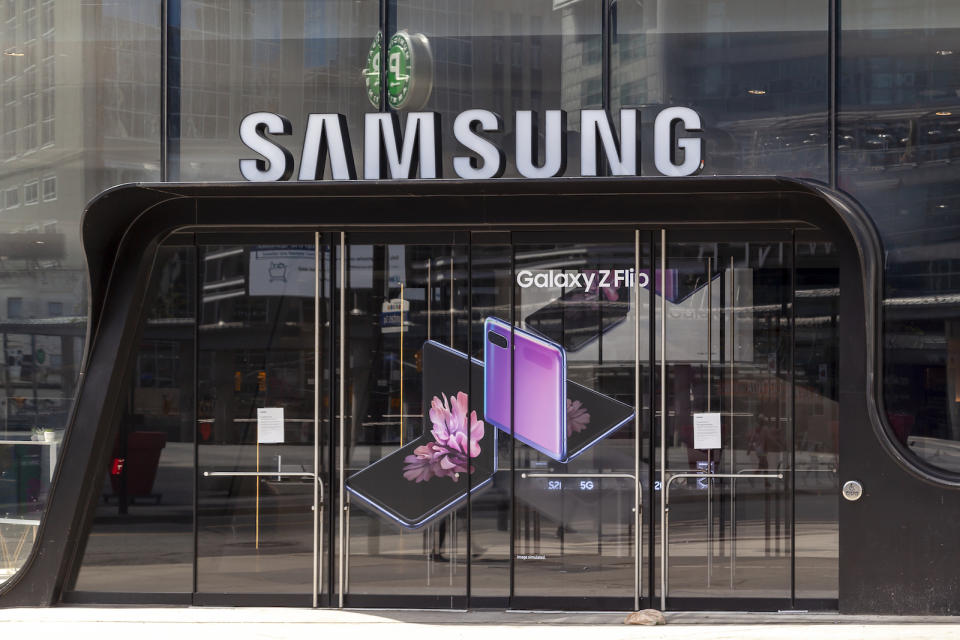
(144, 516)
(898, 146)
(80, 89)
(460, 455)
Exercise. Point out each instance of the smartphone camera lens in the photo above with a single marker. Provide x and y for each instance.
(497, 339)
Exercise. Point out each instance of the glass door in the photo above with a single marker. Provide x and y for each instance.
(511, 400)
(572, 397)
(494, 418)
(725, 454)
(412, 432)
(262, 402)
(477, 477)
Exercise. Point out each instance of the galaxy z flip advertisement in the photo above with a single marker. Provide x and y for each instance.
(519, 390)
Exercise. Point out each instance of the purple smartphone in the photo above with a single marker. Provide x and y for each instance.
(540, 389)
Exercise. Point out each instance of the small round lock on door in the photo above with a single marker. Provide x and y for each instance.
(852, 490)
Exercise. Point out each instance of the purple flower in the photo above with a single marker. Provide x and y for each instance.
(456, 441)
(577, 417)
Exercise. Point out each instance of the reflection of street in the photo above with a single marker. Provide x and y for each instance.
(159, 535)
(400, 564)
(385, 559)
(573, 537)
(943, 453)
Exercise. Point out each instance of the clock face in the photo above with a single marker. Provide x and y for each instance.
(399, 70)
(371, 72)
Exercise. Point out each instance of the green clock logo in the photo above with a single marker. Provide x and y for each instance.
(399, 68)
(409, 73)
(371, 72)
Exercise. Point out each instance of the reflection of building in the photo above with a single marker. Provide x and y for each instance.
(81, 105)
(293, 58)
(80, 95)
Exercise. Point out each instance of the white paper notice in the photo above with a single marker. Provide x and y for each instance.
(270, 425)
(706, 431)
(282, 271)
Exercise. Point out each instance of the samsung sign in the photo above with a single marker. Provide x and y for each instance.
(414, 150)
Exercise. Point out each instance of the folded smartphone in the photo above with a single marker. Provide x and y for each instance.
(525, 391)
(427, 477)
(529, 396)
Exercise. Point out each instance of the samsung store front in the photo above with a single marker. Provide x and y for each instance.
(555, 394)
(560, 305)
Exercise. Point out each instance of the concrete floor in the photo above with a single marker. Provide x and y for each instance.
(238, 624)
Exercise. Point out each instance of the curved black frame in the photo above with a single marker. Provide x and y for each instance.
(123, 227)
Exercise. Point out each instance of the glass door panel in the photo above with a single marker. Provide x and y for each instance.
(729, 423)
(258, 349)
(413, 428)
(569, 394)
(817, 408)
(491, 288)
(558, 331)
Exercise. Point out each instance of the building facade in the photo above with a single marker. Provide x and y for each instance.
(282, 363)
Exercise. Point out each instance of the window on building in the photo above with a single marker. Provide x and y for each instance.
(29, 23)
(592, 50)
(28, 107)
(592, 91)
(46, 18)
(11, 18)
(54, 309)
(14, 308)
(11, 198)
(47, 101)
(31, 192)
(49, 188)
(9, 98)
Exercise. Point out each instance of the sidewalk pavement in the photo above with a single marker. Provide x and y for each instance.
(184, 623)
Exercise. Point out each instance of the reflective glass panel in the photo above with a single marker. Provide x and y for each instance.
(580, 306)
(817, 406)
(729, 387)
(506, 56)
(80, 91)
(899, 142)
(256, 353)
(142, 535)
(763, 95)
(415, 438)
(290, 57)
(491, 277)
